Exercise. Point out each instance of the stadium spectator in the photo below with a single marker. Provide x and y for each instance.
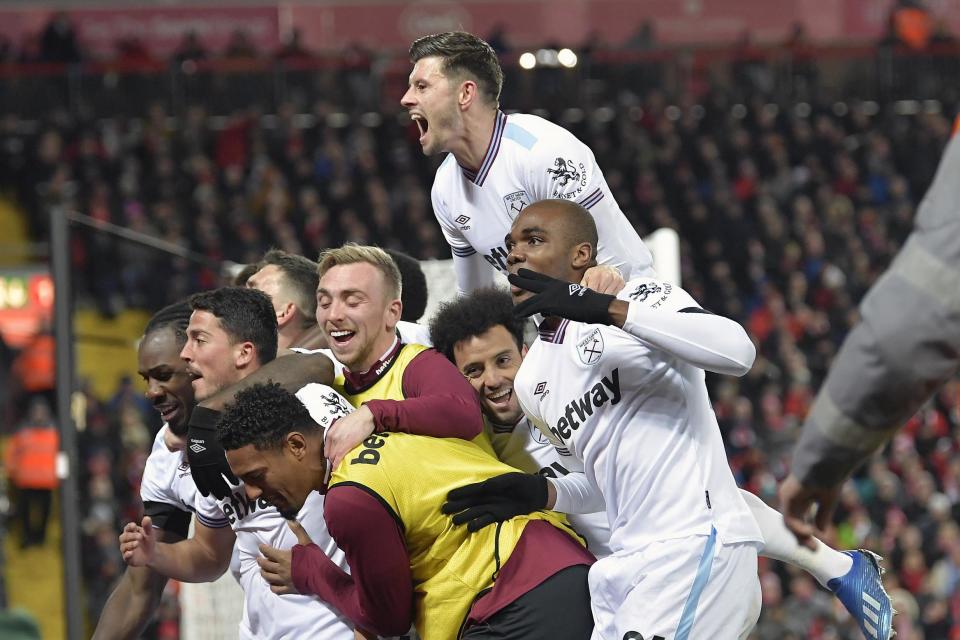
(31, 460)
(59, 40)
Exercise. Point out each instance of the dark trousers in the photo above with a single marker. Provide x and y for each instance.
(34, 508)
(557, 609)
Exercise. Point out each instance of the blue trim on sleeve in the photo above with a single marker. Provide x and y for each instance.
(520, 135)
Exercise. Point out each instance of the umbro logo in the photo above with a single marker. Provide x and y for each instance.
(576, 290)
(541, 388)
(462, 220)
(197, 448)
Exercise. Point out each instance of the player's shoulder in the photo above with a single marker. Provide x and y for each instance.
(323, 403)
(447, 169)
(539, 135)
(161, 470)
(378, 458)
(161, 457)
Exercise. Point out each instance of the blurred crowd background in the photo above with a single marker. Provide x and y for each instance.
(791, 171)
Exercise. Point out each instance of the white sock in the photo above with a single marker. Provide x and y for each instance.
(823, 563)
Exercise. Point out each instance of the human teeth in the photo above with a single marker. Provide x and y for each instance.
(340, 334)
(502, 394)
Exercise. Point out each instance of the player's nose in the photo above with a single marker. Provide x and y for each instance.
(407, 100)
(252, 492)
(154, 390)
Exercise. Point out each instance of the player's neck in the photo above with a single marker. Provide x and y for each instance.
(292, 335)
(475, 138)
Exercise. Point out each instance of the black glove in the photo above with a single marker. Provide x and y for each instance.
(496, 499)
(554, 297)
(208, 463)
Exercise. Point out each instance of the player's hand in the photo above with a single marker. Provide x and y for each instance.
(796, 500)
(138, 543)
(496, 499)
(275, 565)
(347, 432)
(208, 463)
(603, 279)
(555, 297)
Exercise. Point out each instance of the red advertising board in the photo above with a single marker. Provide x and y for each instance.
(26, 304)
(392, 24)
(160, 29)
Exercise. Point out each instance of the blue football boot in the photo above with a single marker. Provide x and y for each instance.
(862, 593)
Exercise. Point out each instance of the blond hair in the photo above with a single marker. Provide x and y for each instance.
(352, 253)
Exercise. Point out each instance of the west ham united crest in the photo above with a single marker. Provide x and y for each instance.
(591, 348)
(515, 202)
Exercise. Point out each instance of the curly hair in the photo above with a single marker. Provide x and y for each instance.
(245, 314)
(472, 316)
(176, 317)
(261, 415)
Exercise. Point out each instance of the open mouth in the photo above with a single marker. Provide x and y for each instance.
(421, 123)
(341, 337)
(501, 398)
(168, 411)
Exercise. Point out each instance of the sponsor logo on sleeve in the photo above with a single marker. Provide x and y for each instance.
(567, 173)
(462, 220)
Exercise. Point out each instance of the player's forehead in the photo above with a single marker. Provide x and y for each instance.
(203, 320)
(159, 348)
(357, 277)
(426, 69)
(246, 460)
(269, 274)
(478, 349)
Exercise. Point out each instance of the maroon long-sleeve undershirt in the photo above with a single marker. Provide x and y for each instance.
(438, 401)
(378, 593)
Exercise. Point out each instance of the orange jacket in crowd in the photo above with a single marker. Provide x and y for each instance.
(35, 367)
(913, 27)
(31, 457)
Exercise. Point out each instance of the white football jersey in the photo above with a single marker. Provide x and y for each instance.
(529, 159)
(167, 479)
(525, 447)
(641, 421)
(266, 614)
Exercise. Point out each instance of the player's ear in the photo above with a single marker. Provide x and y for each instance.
(468, 93)
(295, 444)
(582, 256)
(285, 315)
(245, 354)
(393, 313)
(523, 351)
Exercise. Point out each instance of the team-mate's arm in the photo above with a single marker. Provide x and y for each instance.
(134, 600)
(377, 594)
(472, 272)
(658, 313)
(290, 371)
(438, 402)
(202, 558)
